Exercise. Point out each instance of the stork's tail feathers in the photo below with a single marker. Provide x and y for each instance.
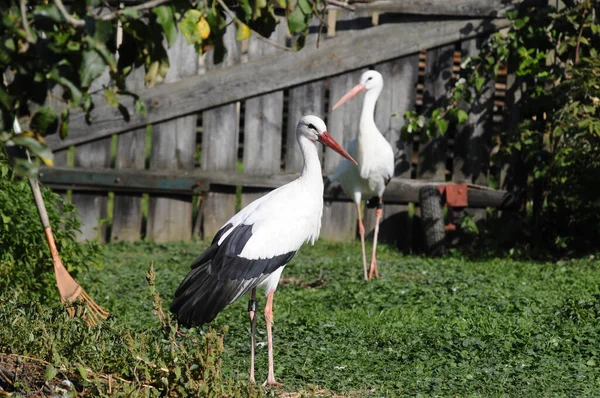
(201, 296)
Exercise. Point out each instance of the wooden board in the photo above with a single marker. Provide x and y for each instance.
(220, 128)
(398, 96)
(131, 154)
(346, 52)
(263, 121)
(306, 99)
(92, 207)
(438, 73)
(173, 146)
(459, 8)
(399, 190)
(339, 221)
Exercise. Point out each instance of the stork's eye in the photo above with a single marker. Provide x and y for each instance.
(369, 78)
(310, 126)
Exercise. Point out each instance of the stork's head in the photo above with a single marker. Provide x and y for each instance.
(313, 128)
(370, 80)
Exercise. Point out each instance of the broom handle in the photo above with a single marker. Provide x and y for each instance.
(39, 203)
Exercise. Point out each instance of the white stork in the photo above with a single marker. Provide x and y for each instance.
(375, 158)
(254, 246)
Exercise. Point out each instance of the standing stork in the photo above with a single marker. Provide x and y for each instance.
(254, 246)
(375, 158)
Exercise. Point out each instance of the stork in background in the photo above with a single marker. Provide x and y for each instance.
(254, 246)
(375, 158)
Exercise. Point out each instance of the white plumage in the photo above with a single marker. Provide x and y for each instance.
(375, 158)
(254, 246)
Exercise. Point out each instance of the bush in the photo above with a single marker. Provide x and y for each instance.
(25, 261)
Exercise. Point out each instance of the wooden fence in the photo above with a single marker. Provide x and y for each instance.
(218, 136)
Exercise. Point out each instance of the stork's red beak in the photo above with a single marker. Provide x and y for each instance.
(355, 90)
(326, 139)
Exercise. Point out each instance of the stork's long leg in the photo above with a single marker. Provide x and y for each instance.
(252, 312)
(269, 319)
(379, 213)
(361, 230)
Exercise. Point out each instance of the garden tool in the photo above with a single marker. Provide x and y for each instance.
(79, 303)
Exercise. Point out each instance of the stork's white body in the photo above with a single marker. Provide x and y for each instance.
(254, 246)
(373, 153)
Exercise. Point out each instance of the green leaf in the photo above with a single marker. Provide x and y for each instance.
(82, 371)
(44, 121)
(130, 12)
(188, 25)
(479, 82)
(462, 116)
(305, 6)
(111, 97)
(64, 123)
(140, 107)
(436, 113)
(442, 125)
(92, 66)
(35, 147)
(297, 21)
(50, 372)
(166, 19)
(48, 11)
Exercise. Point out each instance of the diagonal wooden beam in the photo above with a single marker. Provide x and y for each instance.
(348, 51)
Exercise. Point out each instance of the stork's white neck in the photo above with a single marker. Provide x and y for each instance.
(367, 117)
(312, 165)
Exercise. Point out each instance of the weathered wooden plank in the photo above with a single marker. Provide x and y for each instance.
(92, 207)
(173, 146)
(512, 173)
(438, 74)
(399, 190)
(306, 99)
(398, 96)
(263, 121)
(339, 219)
(461, 8)
(220, 142)
(472, 142)
(350, 51)
(131, 154)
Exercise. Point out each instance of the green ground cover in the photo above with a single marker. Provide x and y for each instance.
(428, 327)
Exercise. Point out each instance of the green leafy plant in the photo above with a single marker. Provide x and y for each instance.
(556, 136)
(112, 360)
(25, 262)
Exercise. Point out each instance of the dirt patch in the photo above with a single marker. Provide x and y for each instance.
(26, 376)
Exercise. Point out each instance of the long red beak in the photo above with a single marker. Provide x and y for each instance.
(355, 90)
(326, 139)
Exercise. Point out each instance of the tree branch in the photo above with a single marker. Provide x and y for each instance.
(579, 36)
(236, 19)
(68, 17)
(139, 7)
(341, 4)
(30, 37)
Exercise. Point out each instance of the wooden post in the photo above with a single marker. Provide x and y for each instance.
(131, 154)
(398, 96)
(438, 73)
(339, 218)
(306, 99)
(432, 154)
(92, 206)
(173, 146)
(473, 139)
(263, 121)
(220, 132)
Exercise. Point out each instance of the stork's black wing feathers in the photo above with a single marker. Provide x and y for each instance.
(219, 276)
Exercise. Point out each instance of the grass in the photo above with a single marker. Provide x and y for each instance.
(428, 327)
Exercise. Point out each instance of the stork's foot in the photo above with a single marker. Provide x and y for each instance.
(272, 383)
(373, 270)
